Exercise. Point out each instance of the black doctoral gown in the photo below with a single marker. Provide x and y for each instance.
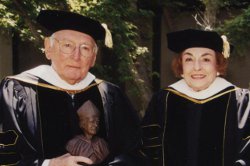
(38, 119)
(179, 130)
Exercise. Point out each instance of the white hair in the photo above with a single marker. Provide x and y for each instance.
(51, 40)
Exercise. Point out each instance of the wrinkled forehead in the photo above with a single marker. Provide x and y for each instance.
(73, 35)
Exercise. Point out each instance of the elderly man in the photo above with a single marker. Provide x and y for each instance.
(38, 107)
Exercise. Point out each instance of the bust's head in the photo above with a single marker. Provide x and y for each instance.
(88, 119)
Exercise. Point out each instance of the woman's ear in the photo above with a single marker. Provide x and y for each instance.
(47, 47)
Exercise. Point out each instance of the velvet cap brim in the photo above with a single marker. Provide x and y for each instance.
(180, 40)
(56, 20)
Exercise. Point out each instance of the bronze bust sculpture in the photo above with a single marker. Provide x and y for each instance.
(88, 144)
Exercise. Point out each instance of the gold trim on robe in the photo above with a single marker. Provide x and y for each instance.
(200, 101)
(71, 92)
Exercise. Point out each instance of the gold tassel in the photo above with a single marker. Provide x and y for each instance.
(226, 47)
(108, 36)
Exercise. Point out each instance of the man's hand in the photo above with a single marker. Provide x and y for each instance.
(69, 160)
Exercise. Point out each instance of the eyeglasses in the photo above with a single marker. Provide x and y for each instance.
(68, 47)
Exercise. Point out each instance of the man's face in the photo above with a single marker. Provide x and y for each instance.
(71, 53)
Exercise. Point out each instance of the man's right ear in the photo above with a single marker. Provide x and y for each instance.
(47, 48)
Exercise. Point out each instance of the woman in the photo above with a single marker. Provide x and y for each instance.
(202, 119)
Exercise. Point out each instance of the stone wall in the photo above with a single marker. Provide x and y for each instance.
(5, 55)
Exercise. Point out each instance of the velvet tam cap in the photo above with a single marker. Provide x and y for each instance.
(180, 40)
(56, 20)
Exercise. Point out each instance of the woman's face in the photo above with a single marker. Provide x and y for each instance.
(199, 67)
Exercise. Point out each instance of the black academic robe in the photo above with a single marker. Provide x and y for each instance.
(38, 119)
(182, 131)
